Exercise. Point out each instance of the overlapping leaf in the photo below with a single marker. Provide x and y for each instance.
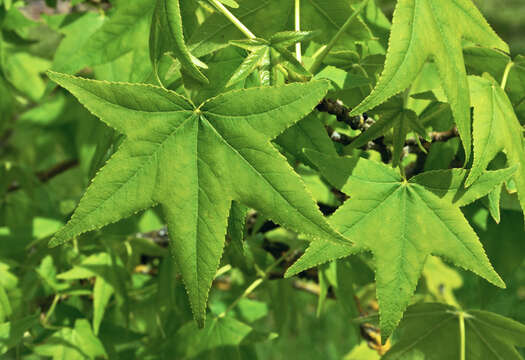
(445, 24)
(73, 343)
(326, 16)
(194, 161)
(264, 54)
(167, 36)
(486, 335)
(496, 129)
(401, 223)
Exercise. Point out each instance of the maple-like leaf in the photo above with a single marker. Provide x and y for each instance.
(424, 29)
(264, 54)
(401, 222)
(485, 335)
(496, 128)
(194, 161)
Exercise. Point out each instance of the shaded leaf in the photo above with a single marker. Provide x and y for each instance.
(496, 128)
(487, 335)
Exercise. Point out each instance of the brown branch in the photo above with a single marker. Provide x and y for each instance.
(436, 136)
(336, 107)
(46, 175)
(362, 123)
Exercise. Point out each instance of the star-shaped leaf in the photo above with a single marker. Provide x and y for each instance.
(194, 161)
(486, 335)
(401, 222)
(267, 54)
(496, 128)
(444, 24)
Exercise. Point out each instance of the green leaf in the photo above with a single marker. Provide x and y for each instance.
(266, 55)
(441, 280)
(342, 79)
(288, 38)
(69, 56)
(230, 3)
(450, 184)
(220, 336)
(309, 133)
(125, 31)
(496, 129)
(249, 64)
(194, 162)
(167, 35)
(487, 335)
(102, 292)
(445, 24)
(99, 267)
(414, 222)
(327, 17)
(5, 305)
(77, 343)
(392, 115)
(12, 332)
(215, 32)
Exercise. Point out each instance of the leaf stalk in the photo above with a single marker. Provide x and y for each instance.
(506, 74)
(298, 52)
(461, 317)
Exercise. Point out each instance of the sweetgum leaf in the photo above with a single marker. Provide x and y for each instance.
(401, 223)
(193, 161)
(496, 128)
(487, 335)
(167, 35)
(445, 24)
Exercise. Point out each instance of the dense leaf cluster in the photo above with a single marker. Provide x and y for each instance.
(247, 178)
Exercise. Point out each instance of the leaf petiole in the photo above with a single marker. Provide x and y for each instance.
(506, 74)
(298, 28)
(461, 317)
